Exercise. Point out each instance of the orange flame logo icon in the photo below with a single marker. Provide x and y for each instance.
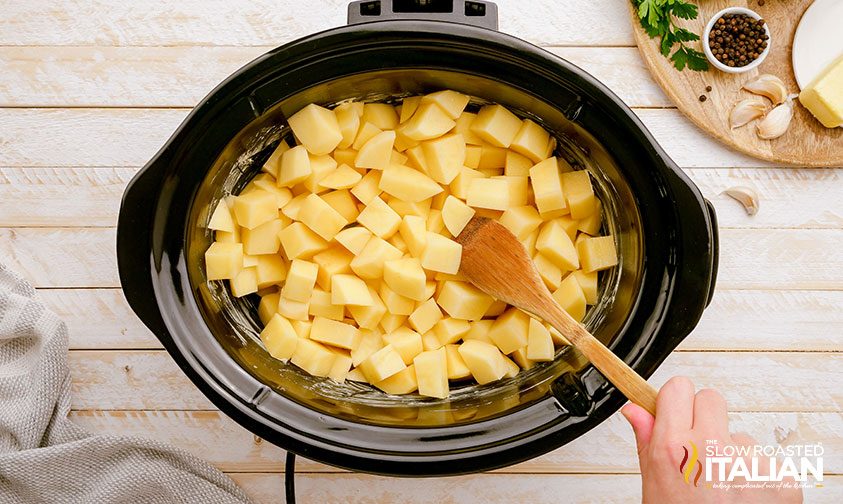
(686, 467)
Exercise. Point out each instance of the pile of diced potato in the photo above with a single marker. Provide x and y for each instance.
(348, 239)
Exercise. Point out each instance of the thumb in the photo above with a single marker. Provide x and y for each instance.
(642, 424)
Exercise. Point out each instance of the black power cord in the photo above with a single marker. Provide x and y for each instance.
(290, 478)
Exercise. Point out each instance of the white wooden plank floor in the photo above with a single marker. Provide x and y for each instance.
(89, 90)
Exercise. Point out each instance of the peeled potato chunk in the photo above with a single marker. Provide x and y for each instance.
(316, 128)
(429, 121)
(432, 373)
(223, 260)
(597, 253)
(496, 125)
(484, 360)
(279, 337)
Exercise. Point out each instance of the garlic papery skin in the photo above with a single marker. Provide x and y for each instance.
(777, 121)
(745, 111)
(768, 85)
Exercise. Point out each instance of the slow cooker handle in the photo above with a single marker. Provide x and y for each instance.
(479, 13)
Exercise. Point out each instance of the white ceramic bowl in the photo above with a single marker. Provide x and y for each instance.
(725, 68)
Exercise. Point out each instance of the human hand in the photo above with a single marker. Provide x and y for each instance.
(687, 423)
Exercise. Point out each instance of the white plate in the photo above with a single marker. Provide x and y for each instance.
(818, 40)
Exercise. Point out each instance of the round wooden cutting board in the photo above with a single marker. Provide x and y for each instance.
(806, 143)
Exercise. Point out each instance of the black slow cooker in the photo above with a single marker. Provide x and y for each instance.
(667, 242)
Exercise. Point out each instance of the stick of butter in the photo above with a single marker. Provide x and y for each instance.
(824, 95)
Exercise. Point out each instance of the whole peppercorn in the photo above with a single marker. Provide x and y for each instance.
(708, 89)
(737, 40)
(703, 98)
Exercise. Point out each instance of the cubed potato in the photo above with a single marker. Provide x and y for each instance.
(350, 290)
(479, 330)
(496, 125)
(368, 317)
(406, 342)
(408, 107)
(459, 186)
(294, 310)
(368, 188)
(530, 242)
(494, 194)
(355, 375)
(379, 218)
(441, 254)
(521, 220)
(395, 303)
(444, 156)
(370, 342)
(462, 300)
(291, 209)
(425, 316)
(591, 224)
(390, 322)
(549, 272)
(344, 177)
(497, 308)
(588, 284)
(555, 244)
(343, 203)
(382, 364)
(492, 160)
(341, 367)
(221, 219)
(398, 158)
(295, 167)
(354, 238)
(484, 360)
(335, 333)
(246, 282)
(349, 123)
(403, 207)
(369, 263)
(597, 254)
(283, 195)
(509, 332)
(320, 167)
(408, 184)
(520, 358)
(376, 153)
(463, 127)
(413, 230)
(299, 242)
(438, 201)
(472, 156)
(450, 330)
(300, 280)
(398, 242)
(270, 270)
(512, 369)
(570, 297)
(539, 343)
(262, 239)
(268, 307)
(402, 382)
(415, 158)
(452, 102)
(456, 214)
(579, 193)
(432, 373)
(226, 237)
(279, 338)
(273, 162)
(517, 165)
(429, 121)
(519, 189)
(255, 208)
(321, 306)
(569, 225)
(430, 341)
(223, 261)
(381, 115)
(405, 277)
(366, 132)
(332, 261)
(531, 141)
(457, 369)
(316, 128)
(547, 187)
(313, 357)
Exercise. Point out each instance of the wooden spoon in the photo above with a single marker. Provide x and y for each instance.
(496, 262)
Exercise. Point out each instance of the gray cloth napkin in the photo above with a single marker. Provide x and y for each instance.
(44, 457)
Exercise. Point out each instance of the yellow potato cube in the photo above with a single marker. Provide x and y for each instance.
(480, 331)
(472, 156)
(451, 330)
(430, 341)
(597, 254)
(407, 184)
(379, 218)
(492, 160)
(509, 332)
(255, 208)
(405, 277)
(377, 152)
(512, 369)
(493, 193)
(520, 358)
(221, 219)
(343, 203)
(406, 342)
(531, 141)
(246, 282)
(335, 333)
(268, 307)
(425, 316)
(456, 214)
(441, 254)
(521, 220)
(588, 284)
(223, 261)
(438, 201)
(295, 167)
(370, 261)
(299, 242)
(291, 209)
(496, 125)
(370, 342)
(402, 207)
(485, 361)
(395, 303)
(313, 357)
(452, 102)
(579, 193)
(302, 328)
(591, 224)
(519, 189)
(432, 373)
(462, 300)
(539, 343)
(463, 127)
(390, 322)
(293, 310)
(557, 246)
(273, 163)
(341, 367)
(547, 186)
(457, 370)
(356, 375)
(316, 128)
(321, 306)
(366, 132)
(398, 158)
(569, 225)
(368, 188)
(444, 156)
(408, 107)
(270, 270)
(459, 186)
(321, 217)
(226, 237)
(517, 165)
(497, 308)
(381, 115)
(300, 281)
(349, 123)
(279, 338)
(548, 271)
(413, 230)
(368, 317)
(354, 238)
(382, 364)
(402, 382)
(344, 177)
(350, 290)
(570, 297)
(415, 158)
(530, 242)
(332, 261)
(283, 195)
(320, 167)
(429, 121)
(262, 239)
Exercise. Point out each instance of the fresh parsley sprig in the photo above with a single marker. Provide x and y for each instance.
(657, 18)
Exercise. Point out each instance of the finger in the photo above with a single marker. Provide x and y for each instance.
(642, 424)
(710, 414)
(674, 407)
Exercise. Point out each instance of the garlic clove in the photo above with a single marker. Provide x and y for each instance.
(745, 111)
(777, 121)
(746, 197)
(768, 85)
